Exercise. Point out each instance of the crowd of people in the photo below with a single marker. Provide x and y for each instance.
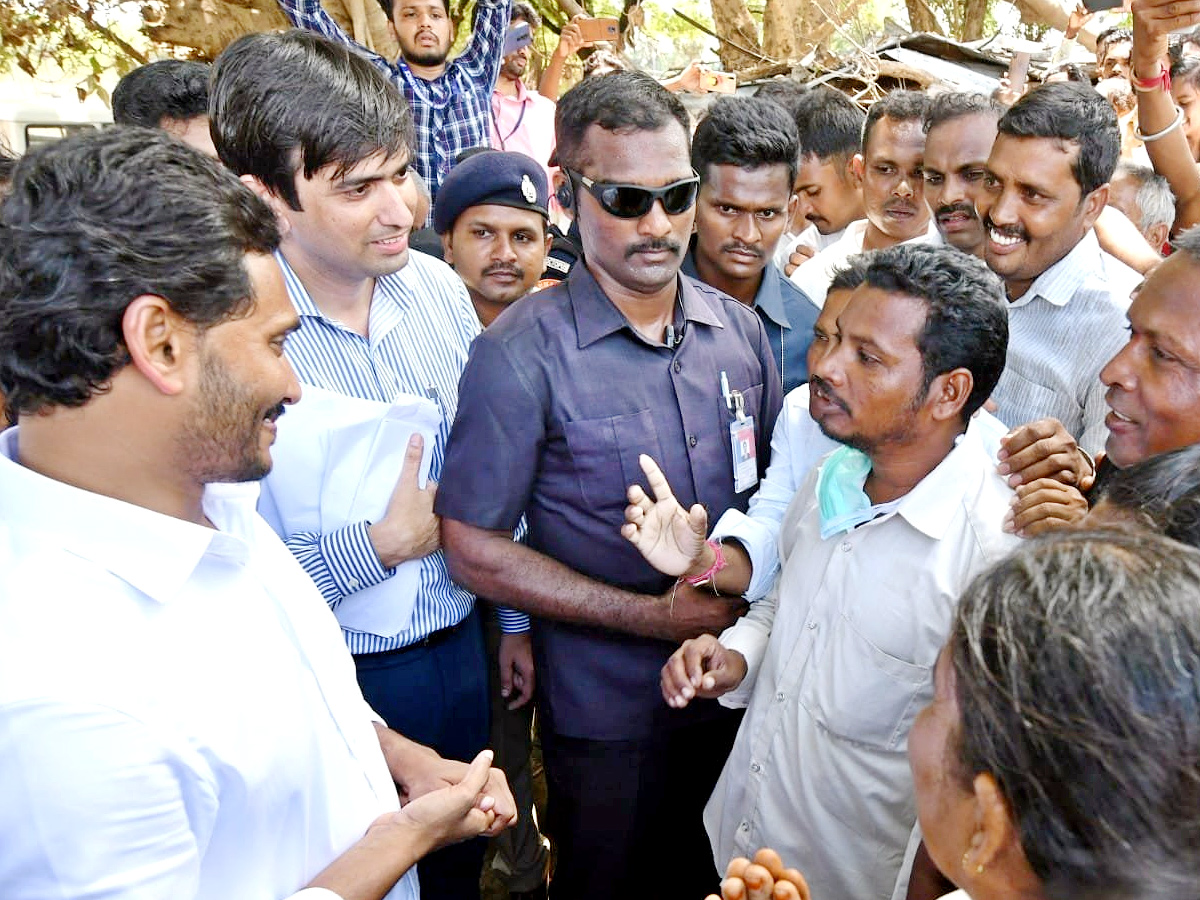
(815, 486)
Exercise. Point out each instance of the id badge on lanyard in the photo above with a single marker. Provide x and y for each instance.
(741, 439)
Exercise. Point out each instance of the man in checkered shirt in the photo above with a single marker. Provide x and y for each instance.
(450, 101)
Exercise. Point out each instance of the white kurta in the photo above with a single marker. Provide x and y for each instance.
(841, 656)
(179, 716)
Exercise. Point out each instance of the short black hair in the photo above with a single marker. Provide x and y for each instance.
(389, 5)
(899, 106)
(1073, 71)
(296, 99)
(951, 105)
(747, 132)
(966, 323)
(830, 124)
(851, 274)
(1118, 34)
(523, 12)
(1186, 72)
(787, 92)
(8, 165)
(96, 220)
(165, 89)
(620, 102)
(1076, 670)
(1066, 111)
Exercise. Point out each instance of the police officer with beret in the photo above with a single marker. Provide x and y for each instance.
(491, 216)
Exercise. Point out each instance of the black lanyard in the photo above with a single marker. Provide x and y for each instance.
(496, 116)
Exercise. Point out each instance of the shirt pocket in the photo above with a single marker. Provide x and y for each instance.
(604, 453)
(863, 694)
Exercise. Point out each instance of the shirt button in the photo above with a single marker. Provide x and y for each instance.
(755, 768)
(692, 441)
(780, 697)
(354, 584)
(745, 826)
(678, 366)
(845, 546)
(812, 625)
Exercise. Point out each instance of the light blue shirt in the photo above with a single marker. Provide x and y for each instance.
(420, 328)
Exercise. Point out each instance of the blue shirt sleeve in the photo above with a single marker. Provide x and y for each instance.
(339, 562)
(494, 447)
(310, 15)
(484, 52)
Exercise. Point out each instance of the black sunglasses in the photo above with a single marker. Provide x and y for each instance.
(632, 201)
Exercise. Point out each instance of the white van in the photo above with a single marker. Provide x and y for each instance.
(28, 122)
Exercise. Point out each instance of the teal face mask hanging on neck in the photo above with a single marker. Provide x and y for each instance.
(843, 503)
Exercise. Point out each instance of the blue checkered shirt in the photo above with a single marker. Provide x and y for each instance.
(453, 111)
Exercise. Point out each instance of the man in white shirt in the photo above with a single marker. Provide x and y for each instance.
(178, 714)
(888, 170)
(875, 547)
(1047, 183)
(830, 126)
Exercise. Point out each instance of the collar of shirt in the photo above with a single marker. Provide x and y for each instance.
(596, 316)
(929, 507)
(1058, 284)
(154, 553)
(391, 297)
(769, 297)
(524, 95)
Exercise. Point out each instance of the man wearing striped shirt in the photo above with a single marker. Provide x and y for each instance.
(450, 102)
(376, 321)
(1047, 182)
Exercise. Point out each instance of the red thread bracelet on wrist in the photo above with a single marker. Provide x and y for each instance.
(710, 573)
(1145, 85)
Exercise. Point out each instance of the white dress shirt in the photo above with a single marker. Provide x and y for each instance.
(814, 275)
(797, 445)
(1062, 332)
(840, 656)
(809, 237)
(179, 716)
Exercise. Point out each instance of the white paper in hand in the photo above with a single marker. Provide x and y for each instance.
(336, 460)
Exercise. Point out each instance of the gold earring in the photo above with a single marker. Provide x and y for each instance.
(966, 863)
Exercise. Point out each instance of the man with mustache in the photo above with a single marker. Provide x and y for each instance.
(829, 198)
(560, 396)
(876, 545)
(888, 171)
(959, 131)
(450, 101)
(744, 151)
(491, 216)
(376, 321)
(1047, 183)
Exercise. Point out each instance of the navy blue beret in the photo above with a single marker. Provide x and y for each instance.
(492, 177)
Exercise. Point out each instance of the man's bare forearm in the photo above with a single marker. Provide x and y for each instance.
(373, 865)
(492, 565)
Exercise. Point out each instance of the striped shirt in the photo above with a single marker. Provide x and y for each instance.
(453, 111)
(1061, 333)
(420, 328)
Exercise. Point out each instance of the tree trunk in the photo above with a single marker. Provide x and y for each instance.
(921, 17)
(780, 38)
(732, 20)
(208, 26)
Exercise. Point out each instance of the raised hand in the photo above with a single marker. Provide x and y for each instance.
(670, 538)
